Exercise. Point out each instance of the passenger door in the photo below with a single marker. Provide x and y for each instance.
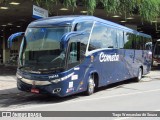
(76, 62)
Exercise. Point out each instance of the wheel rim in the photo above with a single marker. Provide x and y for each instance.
(91, 86)
(140, 74)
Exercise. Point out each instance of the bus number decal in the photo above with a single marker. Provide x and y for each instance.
(53, 76)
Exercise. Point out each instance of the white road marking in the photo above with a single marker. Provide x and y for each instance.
(123, 118)
(91, 99)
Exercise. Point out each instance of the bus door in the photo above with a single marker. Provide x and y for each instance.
(77, 45)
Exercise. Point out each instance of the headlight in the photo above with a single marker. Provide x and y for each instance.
(19, 76)
(56, 80)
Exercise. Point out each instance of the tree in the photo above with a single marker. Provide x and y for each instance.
(149, 10)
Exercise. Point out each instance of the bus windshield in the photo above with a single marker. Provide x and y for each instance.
(42, 50)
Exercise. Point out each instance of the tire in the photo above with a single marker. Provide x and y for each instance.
(139, 77)
(90, 86)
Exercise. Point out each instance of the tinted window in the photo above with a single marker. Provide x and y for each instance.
(73, 53)
(129, 40)
(83, 26)
(147, 44)
(157, 48)
(103, 37)
(139, 43)
(120, 39)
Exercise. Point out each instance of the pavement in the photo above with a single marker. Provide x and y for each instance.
(7, 79)
(128, 95)
(120, 97)
(7, 70)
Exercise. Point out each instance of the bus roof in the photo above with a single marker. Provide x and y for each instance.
(70, 19)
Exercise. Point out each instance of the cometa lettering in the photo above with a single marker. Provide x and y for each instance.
(106, 58)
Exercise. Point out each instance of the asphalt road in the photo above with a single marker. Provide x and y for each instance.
(123, 96)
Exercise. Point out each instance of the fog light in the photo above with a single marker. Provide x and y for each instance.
(57, 90)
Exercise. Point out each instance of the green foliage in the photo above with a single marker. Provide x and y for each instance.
(148, 9)
(70, 3)
(110, 6)
(91, 5)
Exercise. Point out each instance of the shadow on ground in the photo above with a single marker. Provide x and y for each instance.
(20, 98)
(7, 70)
(157, 68)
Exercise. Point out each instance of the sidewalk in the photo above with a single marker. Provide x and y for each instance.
(8, 79)
(8, 83)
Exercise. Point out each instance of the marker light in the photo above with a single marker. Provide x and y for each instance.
(4, 8)
(14, 3)
(116, 16)
(64, 9)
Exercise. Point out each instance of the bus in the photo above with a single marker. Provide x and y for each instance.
(65, 55)
(156, 53)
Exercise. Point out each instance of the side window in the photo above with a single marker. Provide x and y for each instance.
(73, 56)
(129, 40)
(139, 43)
(83, 45)
(77, 49)
(103, 37)
(120, 39)
(147, 44)
(83, 26)
(112, 38)
(157, 48)
(97, 37)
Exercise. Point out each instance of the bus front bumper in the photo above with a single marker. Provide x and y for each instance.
(40, 87)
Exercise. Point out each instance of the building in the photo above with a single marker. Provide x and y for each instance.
(16, 15)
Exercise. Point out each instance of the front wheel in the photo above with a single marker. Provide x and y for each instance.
(139, 77)
(90, 86)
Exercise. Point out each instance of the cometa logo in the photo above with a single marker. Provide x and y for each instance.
(105, 57)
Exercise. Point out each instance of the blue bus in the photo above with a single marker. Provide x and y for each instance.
(65, 55)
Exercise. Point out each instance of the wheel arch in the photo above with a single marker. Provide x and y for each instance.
(141, 68)
(95, 76)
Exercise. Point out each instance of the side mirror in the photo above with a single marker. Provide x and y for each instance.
(14, 36)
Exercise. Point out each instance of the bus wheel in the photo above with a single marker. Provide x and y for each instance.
(90, 86)
(139, 77)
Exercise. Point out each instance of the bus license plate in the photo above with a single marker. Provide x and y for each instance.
(33, 90)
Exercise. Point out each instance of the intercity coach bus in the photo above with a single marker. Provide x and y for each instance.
(65, 55)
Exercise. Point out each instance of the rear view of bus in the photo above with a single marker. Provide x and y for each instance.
(156, 54)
